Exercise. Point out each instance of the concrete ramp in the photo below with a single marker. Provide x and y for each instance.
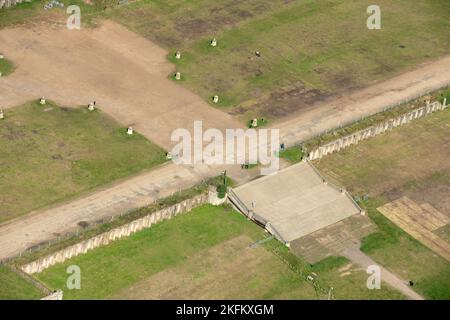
(294, 202)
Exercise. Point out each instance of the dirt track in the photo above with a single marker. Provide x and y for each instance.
(126, 75)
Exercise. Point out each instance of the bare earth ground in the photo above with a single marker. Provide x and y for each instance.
(126, 75)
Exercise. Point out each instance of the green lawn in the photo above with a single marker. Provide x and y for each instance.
(13, 287)
(411, 161)
(50, 154)
(175, 246)
(6, 67)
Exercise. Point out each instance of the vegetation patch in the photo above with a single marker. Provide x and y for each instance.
(50, 154)
(6, 67)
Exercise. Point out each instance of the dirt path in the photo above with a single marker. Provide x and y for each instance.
(126, 75)
(358, 257)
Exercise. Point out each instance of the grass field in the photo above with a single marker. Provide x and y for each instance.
(13, 287)
(409, 161)
(204, 254)
(50, 154)
(310, 49)
(6, 67)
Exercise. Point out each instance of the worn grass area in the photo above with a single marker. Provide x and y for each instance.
(207, 251)
(6, 67)
(309, 49)
(13, 287)
(50, 154)
(409, 161)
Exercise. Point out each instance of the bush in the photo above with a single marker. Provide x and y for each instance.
(221, 190)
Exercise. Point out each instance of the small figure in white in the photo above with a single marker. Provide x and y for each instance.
(213, 42)
(130, 130)
(2, 56)
(177, 76)
(258, 53)
(178, 55)
(254, 123)
(42, 101)
(168, 156)
(2, 115)
(216, 99)
(0, 74)
(91, 106)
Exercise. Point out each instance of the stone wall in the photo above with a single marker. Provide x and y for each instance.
(375, 130)
(10, 3)
(114, 234)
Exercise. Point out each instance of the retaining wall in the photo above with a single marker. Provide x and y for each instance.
(375, 130)
(114, 234)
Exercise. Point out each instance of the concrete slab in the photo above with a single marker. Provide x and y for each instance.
(295, 202)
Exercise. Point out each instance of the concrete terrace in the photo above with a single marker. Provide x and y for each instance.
(294, 202)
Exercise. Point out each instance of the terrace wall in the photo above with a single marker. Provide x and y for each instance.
(114, 234)
(375, 130)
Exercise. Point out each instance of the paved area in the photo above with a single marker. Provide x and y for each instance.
(332, 240)
(295, 202)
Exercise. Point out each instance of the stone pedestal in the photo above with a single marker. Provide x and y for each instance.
(130, 130)
(216, 99)
(178, 76)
